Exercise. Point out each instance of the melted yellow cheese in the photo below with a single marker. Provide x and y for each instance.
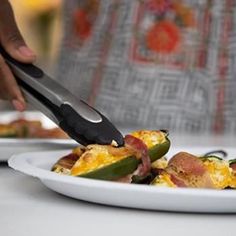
(219, 172)
(61, 170)
(150, 137)
(95, 157)
(163, 180)
(161, 163)
(78, 151)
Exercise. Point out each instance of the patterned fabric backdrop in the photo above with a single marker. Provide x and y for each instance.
(154, 63)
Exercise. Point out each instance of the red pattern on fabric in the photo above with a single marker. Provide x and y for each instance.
(170, 53)
(202, 55)
(82, 26)
(83, 16)
(98, 74)
(163, 37)
(223, 62)
(158, 6)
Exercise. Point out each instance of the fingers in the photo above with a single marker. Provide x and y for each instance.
(12, 41)
(10, 36)
(9, 88)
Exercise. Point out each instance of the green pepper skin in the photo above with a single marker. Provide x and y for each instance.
(127, 165)
(217, 153)
(233, 161)
(203, 158)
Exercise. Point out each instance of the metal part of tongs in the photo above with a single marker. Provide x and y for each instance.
(80, 121)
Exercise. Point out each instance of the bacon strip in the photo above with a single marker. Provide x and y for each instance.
(178, 182)
(233, 166)
(68, 161)
(187, 163)
(140, 150)
(187, 170)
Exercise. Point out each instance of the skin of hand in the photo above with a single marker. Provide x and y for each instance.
(13, 42)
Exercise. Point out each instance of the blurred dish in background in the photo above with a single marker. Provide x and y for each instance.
(28, 125)
(30, 131)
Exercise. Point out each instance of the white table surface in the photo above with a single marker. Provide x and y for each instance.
(27, 207)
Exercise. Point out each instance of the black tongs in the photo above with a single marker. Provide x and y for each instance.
(79, 120)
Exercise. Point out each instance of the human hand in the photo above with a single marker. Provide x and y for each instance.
(13, 42)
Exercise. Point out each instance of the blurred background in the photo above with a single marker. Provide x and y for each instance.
(40, 24)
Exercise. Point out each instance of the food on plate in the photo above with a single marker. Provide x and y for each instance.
(218, 170)
(142, 161)
(232, 164)
(65, 164)
(7, 131)
(187, 170)
(22, 128)
(114, 163)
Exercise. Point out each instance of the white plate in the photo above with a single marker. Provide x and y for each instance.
(38, 164)
(10, 146)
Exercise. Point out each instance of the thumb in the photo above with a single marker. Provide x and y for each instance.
(10, 36)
